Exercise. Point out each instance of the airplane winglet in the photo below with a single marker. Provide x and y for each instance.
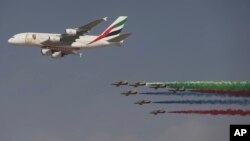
(105, 18)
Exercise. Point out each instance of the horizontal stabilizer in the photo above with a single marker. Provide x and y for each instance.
(120, 37)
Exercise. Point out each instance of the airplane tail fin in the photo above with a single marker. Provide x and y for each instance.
(120, 38)
(113, 30)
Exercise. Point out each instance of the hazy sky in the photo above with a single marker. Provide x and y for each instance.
(70, 99)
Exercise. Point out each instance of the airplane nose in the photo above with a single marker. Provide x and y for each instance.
(10, 40)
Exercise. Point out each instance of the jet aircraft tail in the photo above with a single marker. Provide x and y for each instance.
(115, 28)
(113, 31)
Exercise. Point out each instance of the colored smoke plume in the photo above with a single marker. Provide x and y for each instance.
(230, 112)
(226, 102)
(238, 93)
(210, 85)
(175, 94)
(199, 93)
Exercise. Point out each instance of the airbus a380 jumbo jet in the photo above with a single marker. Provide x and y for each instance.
(73, 40)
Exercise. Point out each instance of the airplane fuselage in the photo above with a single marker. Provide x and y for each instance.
(39, 40)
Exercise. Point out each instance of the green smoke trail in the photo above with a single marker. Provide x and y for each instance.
(210, 85)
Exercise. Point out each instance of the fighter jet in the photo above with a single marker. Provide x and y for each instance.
(132, 92)
(120, 83)
(142, 83)
(73, 39)
(177, 90)
(141, 102)
(155, 112)
(157, 86)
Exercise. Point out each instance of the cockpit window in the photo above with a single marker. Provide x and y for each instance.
(20, 35)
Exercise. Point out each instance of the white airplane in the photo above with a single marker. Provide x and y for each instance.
(73, 40)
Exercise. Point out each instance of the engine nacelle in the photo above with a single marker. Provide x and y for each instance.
(57, 55)
(46, 52)
(54, 39)
(71, 32)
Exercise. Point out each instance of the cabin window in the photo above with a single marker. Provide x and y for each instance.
(34, 36)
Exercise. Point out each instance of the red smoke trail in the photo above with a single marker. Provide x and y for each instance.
(231, 112)
(243, 93)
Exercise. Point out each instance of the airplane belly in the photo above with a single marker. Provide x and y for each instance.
(82, 41)
(85, 44)
(77, 44)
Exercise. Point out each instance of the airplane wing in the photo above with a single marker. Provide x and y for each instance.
(71, 35)
(81, 31)
(86, 28)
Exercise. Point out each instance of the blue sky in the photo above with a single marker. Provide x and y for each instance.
(71, 99)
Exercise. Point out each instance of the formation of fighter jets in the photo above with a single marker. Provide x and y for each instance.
(141, 83)
(154, 86)
(73, 39)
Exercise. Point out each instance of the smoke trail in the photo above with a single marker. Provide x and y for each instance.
(198, 93)
(176, 94)
(210, 85)
(245, 93)
(226, 102)
(231, 112)
(180, 94)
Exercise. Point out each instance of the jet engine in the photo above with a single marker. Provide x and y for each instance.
(46, 52)
(71, 32)
(57, 54)
(54, 39)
